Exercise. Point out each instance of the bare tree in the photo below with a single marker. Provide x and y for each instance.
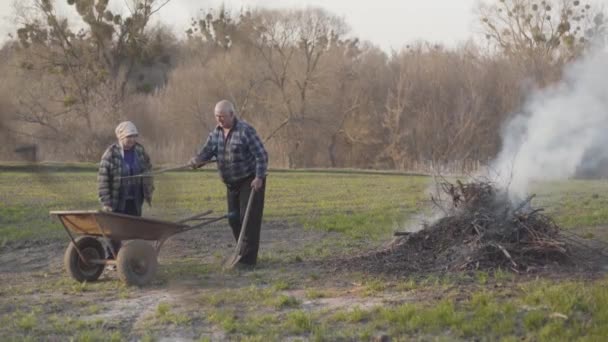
(90, 68)
(444, 106)
(291, 45)
(319, 97)
(541, 33)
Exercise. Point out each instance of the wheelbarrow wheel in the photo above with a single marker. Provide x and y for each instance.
(136, 263)
(91, 249)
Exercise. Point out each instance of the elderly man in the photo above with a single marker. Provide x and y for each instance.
(242, 163)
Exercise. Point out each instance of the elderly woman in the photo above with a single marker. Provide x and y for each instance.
(119, 191)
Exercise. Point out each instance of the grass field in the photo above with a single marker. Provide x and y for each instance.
(366, 205)
(310, 218)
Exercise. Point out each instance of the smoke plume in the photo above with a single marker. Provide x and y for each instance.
(562, 131)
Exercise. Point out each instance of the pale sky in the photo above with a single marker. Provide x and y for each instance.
(387, 23)
(390, 24)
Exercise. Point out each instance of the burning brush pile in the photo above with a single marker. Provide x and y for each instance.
(481, 229)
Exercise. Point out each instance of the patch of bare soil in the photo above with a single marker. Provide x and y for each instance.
(26, 268)
(205, 243)
(30, 256)
(483, 230)
(217, 239)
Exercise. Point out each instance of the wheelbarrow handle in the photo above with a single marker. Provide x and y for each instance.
(194, 217)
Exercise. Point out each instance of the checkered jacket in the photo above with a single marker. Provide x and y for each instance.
(239, 156)
(110, 170)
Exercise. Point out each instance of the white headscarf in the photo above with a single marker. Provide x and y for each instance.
(123, 130)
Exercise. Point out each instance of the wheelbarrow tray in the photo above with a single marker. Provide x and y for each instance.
(117, 226)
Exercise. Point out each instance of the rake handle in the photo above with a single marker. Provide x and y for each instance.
(243, 228)
(168, 169)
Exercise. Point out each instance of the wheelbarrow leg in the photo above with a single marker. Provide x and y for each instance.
(107, 241)
(75, 245)
(159, 243)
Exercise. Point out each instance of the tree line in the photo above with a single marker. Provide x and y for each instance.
(318, 96)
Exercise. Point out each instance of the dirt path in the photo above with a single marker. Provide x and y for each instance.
(203, 244)
(192, 298)
(33, 280)
(30, 257)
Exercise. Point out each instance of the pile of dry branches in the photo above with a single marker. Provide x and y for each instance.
(485, 229)
(481, 228)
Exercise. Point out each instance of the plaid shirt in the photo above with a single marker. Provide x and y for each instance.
(239, 155)
(110, 171)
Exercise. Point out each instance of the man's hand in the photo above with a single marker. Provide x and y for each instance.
(257, 183)
(149, 201)
(106, 208)
(194, 163)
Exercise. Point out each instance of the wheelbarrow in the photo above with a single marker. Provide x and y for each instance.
(137, 260)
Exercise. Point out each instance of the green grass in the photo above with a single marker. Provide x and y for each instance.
(574, 203)
(283, 301)
(32, 326)
(315, 293)
(27, 322)
(361, 206)
(185, 268)
(239, 296)
(281, 285)
(299, 322)
(356, 315)
(99, 335)
(350, 212)
(358, 205)
(256, 325)
(93, 309)
(374, 286)
(226, 319)
(488, 316)
(27, 198)
(166, 315)
(539, 310)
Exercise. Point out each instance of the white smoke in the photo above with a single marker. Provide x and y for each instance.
(561, 130)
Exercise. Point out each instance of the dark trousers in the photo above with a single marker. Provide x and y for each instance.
(130, 209)
(238, 195)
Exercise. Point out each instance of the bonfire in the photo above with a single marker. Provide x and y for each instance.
(481, 229)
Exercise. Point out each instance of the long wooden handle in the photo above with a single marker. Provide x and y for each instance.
(244, 224)
(153, 173)
(168, 169)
